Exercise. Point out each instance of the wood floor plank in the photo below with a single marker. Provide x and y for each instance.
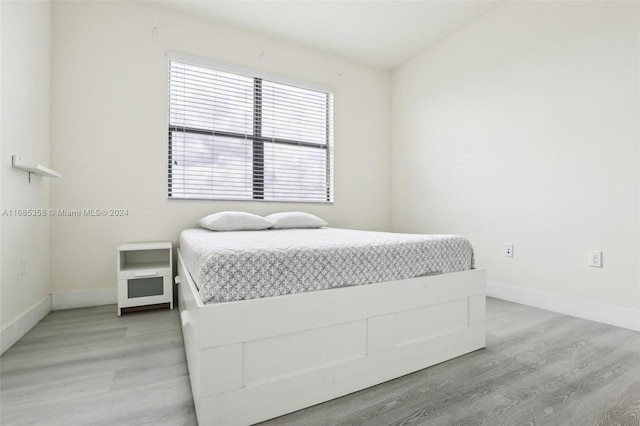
(503, 384)
(89, 366)
(623, 412)
(469, 377)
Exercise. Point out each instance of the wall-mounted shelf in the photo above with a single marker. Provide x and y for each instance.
(19, 163)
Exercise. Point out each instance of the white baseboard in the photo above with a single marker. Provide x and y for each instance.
(586, 309)
(84, 299)
(18, 328)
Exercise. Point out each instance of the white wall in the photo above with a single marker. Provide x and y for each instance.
(524, 128)
(25, 86)
(109, 138)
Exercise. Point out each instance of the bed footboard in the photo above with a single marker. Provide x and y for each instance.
(253, 360)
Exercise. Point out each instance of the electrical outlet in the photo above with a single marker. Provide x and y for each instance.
(595, 258)
(23, 265)
(508, 250)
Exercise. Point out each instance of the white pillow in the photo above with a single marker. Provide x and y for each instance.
(234, 221)
(289, 220)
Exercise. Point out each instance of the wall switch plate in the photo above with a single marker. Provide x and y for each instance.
(595, 258)
(508, 250)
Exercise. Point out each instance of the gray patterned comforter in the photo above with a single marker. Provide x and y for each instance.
(229, 266)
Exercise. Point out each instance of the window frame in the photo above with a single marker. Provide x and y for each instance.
(257, 162)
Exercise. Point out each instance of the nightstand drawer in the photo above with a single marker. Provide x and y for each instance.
(145, 287)
(143, 273)
(145, 291)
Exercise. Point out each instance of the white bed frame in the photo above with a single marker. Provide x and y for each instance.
(253, 360)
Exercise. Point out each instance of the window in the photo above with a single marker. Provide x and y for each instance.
(238, 137)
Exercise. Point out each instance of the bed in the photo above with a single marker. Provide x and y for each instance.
(278, 320)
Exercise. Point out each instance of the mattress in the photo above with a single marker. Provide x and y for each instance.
(240, 265)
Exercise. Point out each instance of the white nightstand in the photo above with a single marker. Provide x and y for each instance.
(144, 276)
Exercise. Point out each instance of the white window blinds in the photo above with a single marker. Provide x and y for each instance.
(236, 137)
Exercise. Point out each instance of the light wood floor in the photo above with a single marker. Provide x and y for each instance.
(91, 367)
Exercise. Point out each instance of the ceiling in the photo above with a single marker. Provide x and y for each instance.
(382, 34)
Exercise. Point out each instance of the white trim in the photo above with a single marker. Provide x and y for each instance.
(248, 71)
(84, 299)
(14, 331)
(581, 308)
